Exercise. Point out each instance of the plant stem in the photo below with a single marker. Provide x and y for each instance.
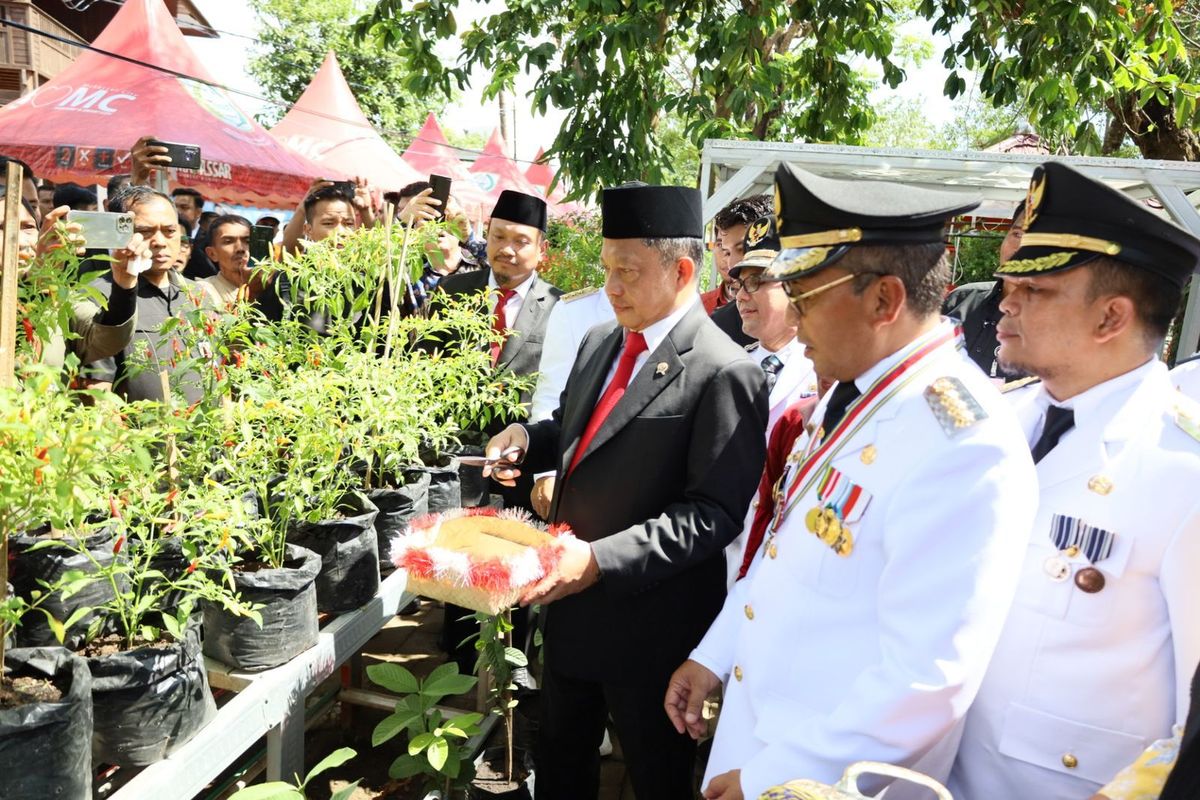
(3, 588)
(393, 322)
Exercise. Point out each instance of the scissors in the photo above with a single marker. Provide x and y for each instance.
(507, 460)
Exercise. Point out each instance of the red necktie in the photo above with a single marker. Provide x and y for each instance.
(499, 324)
(635, 345)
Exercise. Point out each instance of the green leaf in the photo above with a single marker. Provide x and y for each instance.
(393, 677)
(405, 766)
(515, 657)
(448, 683)
(344, 793)
(391, 725)
(276, 790)
(419, 743)
(437, 752)
(334, 759)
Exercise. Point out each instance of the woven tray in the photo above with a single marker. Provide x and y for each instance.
(477, 558)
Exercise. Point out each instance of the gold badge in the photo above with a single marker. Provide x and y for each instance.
(778, 208)
(1033, 200)
(662, 368)
(772, 551)
(1100, 485)
(757, 232)
(868, 455)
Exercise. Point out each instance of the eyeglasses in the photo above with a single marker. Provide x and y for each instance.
(799, 298)
(751, 283)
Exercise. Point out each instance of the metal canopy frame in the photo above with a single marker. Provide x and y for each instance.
(731, 169)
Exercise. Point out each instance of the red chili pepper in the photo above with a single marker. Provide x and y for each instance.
(112, 507)
(177, 346)
(209, 328)
(119, 543)
(29, 337)
(40, 455)
(37, 476)
(192, 566)
(171, 495)
(218, 373)
(149, 352)
(239, 360)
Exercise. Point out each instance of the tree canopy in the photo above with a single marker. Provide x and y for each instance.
(297, 34)
(1089, 74)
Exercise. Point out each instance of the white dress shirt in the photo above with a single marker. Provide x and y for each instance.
(513, 306)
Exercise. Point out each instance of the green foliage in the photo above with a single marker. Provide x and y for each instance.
(1071, 66)
(976, 256)
(298, 33)
(573, 252)
(279, 790)
(903, 122)
(619, 70)
(436, 744)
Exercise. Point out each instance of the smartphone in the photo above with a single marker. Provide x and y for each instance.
(183, 156)
(103, 230)
(441, 191)
(345, 187)
(261, 238)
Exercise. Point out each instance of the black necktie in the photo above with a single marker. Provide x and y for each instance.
(1059, 420)
(771, 365)
(843, 395)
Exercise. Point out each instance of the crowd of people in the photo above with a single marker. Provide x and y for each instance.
(951, 532)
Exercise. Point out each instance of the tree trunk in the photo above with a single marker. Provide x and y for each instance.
(1154, 129)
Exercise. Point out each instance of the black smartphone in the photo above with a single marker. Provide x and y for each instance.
(345, 187)
(183, 156)
(441, 191)
(261, 237)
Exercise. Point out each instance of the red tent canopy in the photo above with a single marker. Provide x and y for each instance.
(494, 171)
(539, 173)
(328, 126)
(431, 154)
(80, 125)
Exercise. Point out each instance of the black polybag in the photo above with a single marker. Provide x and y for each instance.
(49, 564)
(46, 748)
(149, 701)
(399, 506)
(349, 552)
(287, 600)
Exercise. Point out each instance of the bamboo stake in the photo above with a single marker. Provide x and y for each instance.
(9, 265)
(385, 280)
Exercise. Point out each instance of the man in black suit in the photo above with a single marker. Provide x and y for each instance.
(658, 445)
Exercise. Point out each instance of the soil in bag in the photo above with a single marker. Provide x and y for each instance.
(349, 552)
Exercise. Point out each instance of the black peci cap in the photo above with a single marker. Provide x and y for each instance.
(1071, 219)
(652, 212)
(521, 208)
(819, 219)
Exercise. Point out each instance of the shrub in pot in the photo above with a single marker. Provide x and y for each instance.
(435, 744)
(150, 688)
(505, 771)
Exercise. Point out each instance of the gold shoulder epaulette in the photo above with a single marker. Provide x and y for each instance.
(587, 291)
(955, 408)
(1187, 416)
(1018, 384)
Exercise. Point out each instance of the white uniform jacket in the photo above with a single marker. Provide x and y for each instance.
(878, 654)
(1186, 377)
(572, 317)
(794, 382)
(1083, 681)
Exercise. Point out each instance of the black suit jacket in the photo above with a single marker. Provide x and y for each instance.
(729, 319)
(522, 350)
(661, 490)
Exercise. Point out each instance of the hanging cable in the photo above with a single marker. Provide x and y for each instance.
(184, 76)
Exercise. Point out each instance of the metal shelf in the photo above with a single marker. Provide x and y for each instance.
(270, 702)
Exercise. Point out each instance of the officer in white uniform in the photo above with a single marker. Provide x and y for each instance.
(769, 317)
(1186, 376)
(866, 622)
(572, 317)
(771, 320)
(1098, 652)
